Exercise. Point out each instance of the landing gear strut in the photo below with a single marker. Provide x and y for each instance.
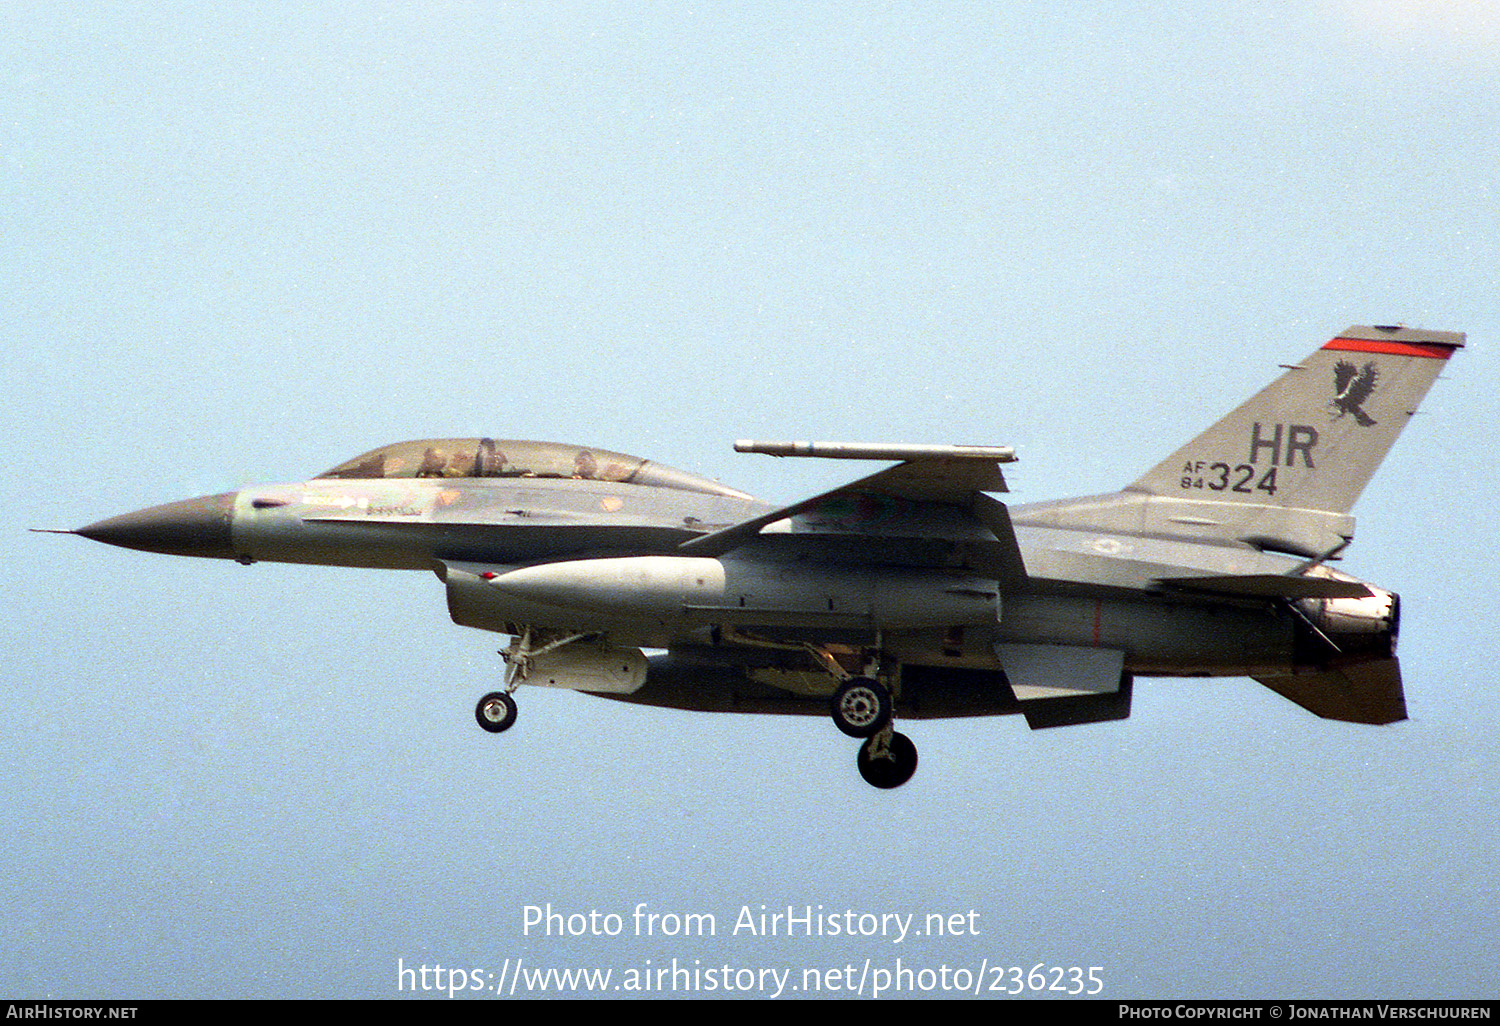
(496, 711)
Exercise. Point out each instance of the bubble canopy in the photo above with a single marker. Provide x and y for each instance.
(503, 457)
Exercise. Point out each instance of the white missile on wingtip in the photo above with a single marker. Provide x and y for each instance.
(878, 451)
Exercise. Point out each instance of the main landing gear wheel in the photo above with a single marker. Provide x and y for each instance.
(888, 764)
(861, 707)
(496, 711)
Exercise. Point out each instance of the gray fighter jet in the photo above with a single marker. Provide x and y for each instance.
(912, 590)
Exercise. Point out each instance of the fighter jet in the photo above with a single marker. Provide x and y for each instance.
(912, 592)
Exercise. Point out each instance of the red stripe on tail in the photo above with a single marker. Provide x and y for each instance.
(1429, 350)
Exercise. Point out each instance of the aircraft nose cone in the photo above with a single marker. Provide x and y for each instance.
(191, 527)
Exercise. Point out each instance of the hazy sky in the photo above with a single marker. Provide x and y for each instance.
(243, 243)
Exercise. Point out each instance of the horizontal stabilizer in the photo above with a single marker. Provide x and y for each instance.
(1270, 586)
(1364, 693)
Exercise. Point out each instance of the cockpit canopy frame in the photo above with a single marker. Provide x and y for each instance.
(451, 458)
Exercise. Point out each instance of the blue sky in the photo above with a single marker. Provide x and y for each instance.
(244, 243)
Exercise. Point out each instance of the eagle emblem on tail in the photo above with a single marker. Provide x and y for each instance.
(1353, 386)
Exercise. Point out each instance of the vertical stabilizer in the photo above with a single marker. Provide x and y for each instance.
(1312, 439)
(1283, 470)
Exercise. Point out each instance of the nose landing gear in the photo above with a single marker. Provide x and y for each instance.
(496, 711)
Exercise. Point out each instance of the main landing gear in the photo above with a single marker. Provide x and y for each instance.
(887, 760)
(863, 704)
(863, 707)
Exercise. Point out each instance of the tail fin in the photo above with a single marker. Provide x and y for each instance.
(1284, 469)
(1313, 438)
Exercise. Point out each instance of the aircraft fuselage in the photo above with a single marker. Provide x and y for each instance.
(912, 585)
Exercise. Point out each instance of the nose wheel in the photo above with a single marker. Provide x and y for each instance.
(495, 712)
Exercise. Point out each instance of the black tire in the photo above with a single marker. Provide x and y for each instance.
(861, 707)
(892, 769)
(495, 712)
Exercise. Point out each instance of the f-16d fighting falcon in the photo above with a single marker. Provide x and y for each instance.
(909, 593)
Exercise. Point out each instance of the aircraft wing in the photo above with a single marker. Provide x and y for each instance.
(935, 494)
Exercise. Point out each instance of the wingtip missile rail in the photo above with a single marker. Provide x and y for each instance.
(878, 451)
